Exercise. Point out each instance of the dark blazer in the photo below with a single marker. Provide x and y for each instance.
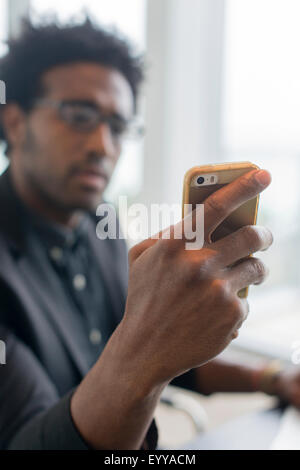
(44, 363)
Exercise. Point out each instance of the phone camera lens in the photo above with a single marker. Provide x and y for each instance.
(200, 180)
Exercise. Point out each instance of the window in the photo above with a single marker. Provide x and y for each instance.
(3, 25)
(129, 18)
(261, 123)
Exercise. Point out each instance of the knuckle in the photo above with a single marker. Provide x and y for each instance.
(168, 246)
(191, 270)
(269, 237)
(235, 334)
(216, 204)
(234, 314)
(196, 271)
(248, 183)
(252, 237)
(237, 312)
(222, 291)
(205, 267)
(259, 268)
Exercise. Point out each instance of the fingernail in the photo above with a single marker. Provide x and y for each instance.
(263, 177)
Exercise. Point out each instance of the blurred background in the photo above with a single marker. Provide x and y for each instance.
(223, 84)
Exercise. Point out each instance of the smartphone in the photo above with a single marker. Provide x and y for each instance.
(201, 181)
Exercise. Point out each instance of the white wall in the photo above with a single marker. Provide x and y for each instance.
(184, 50)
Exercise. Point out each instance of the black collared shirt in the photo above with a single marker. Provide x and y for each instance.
(68, 256)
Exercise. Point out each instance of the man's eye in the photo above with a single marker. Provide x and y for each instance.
(118, 128)
(78, 118)
(78, 115)
(83, 116)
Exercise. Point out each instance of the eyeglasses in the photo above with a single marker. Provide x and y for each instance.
(85, 116)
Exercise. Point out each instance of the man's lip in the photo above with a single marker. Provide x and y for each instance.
(92, 179)
(92, 173)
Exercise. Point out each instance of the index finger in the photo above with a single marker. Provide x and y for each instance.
(223, 202)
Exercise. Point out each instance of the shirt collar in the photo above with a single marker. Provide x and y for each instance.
(54, 234)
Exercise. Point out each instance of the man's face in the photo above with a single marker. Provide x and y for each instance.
(68, 167)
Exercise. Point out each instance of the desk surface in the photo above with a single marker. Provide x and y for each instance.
(255, 431)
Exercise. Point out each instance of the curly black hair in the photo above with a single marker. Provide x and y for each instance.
(48, 44)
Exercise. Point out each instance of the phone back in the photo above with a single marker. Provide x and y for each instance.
(215, 177)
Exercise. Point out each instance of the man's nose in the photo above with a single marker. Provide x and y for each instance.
(100, 141)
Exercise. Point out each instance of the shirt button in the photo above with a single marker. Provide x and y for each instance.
(79, 282)
(56, 253)
(95, 336)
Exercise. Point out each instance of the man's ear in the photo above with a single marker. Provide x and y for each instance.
(13, 123)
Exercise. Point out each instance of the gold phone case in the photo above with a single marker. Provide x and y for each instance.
(225, 173)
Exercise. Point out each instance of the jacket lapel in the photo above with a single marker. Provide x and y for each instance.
(41, 294)
(50, 299)
(111, 256)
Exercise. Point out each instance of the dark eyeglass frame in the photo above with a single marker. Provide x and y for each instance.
(120, 128)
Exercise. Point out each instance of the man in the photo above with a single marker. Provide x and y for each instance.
(86, 367)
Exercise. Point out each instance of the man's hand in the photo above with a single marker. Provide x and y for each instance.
(182, 310)
(182, 306)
